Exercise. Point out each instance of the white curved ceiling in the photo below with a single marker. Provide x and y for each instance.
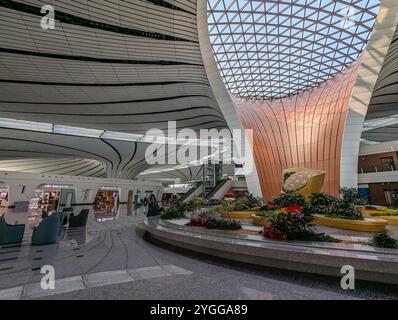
(58, 166)
(381, 124)
(122, 66)
(118, 159)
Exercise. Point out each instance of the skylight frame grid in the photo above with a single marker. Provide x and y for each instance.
(291, 41)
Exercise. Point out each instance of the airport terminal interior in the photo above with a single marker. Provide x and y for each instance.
(199, 149)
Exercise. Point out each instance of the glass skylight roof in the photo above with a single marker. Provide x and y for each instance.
(267, 49)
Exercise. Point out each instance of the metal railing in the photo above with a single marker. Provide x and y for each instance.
(377, 168)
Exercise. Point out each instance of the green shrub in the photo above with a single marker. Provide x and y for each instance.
(321, 201)
(239, 205)
(343, 210)
(250, 201)
(383, 240)
(242, 204)
(215, 209)
(172, 213)
(204, 214)
(215, 223)
(385, 213)
(236, 205)
(181, 206)
(292, 224)
(312, 236)
(352, 196)
(374, 212)
(224, 224)
(287, 199)
(295, 226)
(190, 206)
(196, 203)
(227, 206)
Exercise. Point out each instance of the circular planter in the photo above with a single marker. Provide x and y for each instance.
(236, 214)
(260, 221)
(367, 225)
(390, 219)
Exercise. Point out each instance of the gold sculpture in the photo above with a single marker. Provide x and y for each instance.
(303, 181)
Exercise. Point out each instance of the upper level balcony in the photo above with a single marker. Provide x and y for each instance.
(376, 168)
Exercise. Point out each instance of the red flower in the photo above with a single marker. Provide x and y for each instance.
(270, 206)
(199, 221)
(274, 234)
(292, 209)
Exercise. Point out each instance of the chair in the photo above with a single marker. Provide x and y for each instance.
(79, 220)
(10, 234)
(61, 216)
(47, 231)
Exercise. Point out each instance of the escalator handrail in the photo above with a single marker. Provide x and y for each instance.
(190, 191)
(216, 188)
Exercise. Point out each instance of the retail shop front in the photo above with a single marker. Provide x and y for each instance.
(52, 197)
(3, 195)
(106, 203)
(3, 198)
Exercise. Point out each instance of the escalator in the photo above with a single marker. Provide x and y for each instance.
(196, 190)
(220, 190)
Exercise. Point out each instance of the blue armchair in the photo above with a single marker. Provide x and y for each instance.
(10, 234)
(61, 216)
(80, 220)
(47, 231)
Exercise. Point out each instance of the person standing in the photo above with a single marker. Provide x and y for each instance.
(153, 207)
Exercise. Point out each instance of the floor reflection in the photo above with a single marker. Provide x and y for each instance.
(98, 215)
(72, 243)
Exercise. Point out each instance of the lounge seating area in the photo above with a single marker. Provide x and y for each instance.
(10, 234)
(79, 220)
(47, 232)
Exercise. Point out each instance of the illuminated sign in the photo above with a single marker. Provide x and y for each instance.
(56, 186)
(109, 188)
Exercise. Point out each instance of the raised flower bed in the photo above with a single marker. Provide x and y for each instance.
(389, 215)
(241, 208)
(293, 223)
(215, 223)
(343, 213)
(237, 214)
(365, 225)
(260, 220)
(257, 208)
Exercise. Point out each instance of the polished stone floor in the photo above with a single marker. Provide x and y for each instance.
(109, 260)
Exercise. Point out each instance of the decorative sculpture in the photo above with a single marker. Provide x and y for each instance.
(303, 181)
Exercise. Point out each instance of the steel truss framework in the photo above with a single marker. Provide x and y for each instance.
(270, 49)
